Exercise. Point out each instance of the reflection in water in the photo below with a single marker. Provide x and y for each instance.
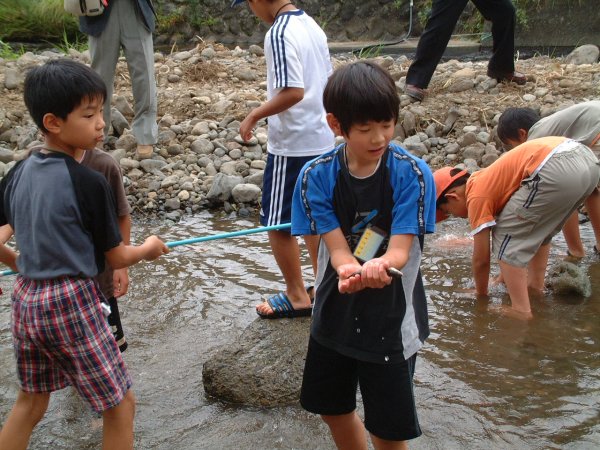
(483, 380)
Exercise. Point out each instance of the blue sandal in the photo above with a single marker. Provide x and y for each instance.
(282, 308)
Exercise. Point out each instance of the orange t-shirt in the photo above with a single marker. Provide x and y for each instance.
(489, 189)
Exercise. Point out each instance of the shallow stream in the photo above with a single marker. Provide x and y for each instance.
(483, 380)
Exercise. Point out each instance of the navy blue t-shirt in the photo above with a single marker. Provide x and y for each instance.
(63, 215)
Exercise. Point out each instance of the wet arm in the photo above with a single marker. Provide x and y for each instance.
(284, 100)
(127, 255)
(121, 276)
(481, 261)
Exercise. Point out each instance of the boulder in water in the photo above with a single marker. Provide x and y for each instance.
(566, 278)
(263, 367)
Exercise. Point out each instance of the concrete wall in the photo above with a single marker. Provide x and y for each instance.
(550, 23)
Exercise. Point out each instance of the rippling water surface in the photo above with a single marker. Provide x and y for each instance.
(483, 380)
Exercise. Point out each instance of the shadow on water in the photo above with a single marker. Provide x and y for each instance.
(483, 380)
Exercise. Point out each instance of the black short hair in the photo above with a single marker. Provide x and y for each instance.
(514, 119)
(456, 183)
(58, 87)
(359, 92)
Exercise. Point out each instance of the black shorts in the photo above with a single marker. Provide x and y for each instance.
(114, 320)
(329, 387)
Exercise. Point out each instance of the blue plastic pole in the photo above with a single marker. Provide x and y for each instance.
(228, 235)
(213, 237)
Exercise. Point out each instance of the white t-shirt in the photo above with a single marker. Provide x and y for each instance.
(297, 56)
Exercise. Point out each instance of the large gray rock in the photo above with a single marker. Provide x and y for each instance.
(246, 193)
(586, 54)
(118, 121)
(263, 367)
(6, 155)
(566, 278)
(11, 78)
(220, 191)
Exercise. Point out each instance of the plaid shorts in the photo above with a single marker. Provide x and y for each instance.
(62, 338)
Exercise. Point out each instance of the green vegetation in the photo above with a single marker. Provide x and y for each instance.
(370, 52)
(36, 20)
(66, 44)
(190, 12)
(7, 52)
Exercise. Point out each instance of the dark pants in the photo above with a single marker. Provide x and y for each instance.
(439, 28)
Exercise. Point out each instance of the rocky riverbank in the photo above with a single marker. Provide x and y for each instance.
(201, 162)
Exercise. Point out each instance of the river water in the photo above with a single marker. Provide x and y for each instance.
(483, 379)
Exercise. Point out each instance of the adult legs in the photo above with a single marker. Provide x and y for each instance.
(28, 410)
(433, 41)
(348, 431)
(104, 52)
(502, 15)
(139, 54)
(117, 431)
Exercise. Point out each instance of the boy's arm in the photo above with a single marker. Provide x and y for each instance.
(127, 255)
(121, 276)
(283, 100)
(8, 256)
(481, 261)
(6, 233)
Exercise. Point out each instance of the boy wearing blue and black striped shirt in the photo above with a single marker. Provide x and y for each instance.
(298, 66)
(372, 203)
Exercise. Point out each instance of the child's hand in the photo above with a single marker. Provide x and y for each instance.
(120, 282)
(246, 127)
(374, 273)
(349, 278)
(155, 248)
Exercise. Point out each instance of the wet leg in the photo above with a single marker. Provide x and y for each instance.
(537, 268)
(592, 204)
(286, 251)
(515, 279)
(312, 245)
(572, 237)
(28, 410)
(348, 431)
(117, 432)
(382, 444)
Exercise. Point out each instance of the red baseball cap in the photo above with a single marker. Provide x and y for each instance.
(443, 179)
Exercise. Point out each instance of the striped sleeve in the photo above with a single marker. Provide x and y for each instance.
(287, 64)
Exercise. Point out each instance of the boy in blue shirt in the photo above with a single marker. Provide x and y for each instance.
(64, 218)
(372, 203)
